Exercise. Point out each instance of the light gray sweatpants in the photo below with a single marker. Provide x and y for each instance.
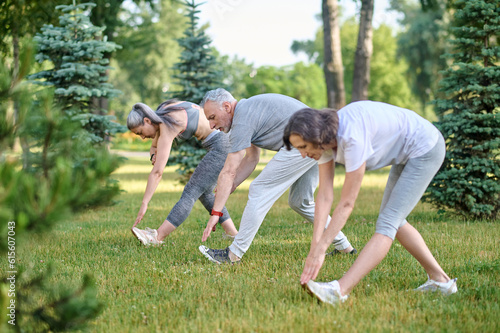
(287, 169)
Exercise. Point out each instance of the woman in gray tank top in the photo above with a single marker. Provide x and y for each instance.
(183, 120)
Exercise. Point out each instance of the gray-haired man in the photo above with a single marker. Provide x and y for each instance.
(254, 123)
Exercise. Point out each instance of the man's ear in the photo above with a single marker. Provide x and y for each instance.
(227, 106)
(147, 121)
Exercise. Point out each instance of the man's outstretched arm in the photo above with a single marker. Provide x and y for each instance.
(247, 166)
(224, 185)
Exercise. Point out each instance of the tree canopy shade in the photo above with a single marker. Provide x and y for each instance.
(468, 181)
(421, 44)
(19, 18)
(428, 4)
(149, 50)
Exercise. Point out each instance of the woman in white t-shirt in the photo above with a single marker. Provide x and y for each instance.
(368, 135)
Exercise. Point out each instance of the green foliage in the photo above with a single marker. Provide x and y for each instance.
(388, 81)
(304, 82)
(307, 85)
(9, 88)
(59, 173)
(468, 181)
(63, 171)
(65, 308)
(20, 18)
(149, 51)
(188, 155)
(268, 79)
(107, 13)
(387, 73)
(195, 73)
(429, 4)
(236, 73)
(76, 49)
(421, 44)
(312, 48)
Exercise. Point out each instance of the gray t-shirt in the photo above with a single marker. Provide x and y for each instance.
(261, 120)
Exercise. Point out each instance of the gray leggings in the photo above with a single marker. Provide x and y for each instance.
(405, 186)
(203, 181)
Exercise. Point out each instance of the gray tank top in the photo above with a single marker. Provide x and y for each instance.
(193, 114)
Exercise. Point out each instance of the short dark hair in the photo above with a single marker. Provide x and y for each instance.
(318, 127)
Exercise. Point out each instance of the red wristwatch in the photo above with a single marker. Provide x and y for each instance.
(216, 213)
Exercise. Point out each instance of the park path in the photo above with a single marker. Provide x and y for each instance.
(126, 153)
(264, 158)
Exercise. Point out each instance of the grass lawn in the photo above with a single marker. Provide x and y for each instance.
(173, 288)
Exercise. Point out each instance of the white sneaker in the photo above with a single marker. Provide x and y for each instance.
(446, 288)
(147, 236)
(327, 292)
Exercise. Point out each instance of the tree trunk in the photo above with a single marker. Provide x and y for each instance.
(364, 50)
(15, 53)
(333, 68)
(100, 105)
(107, 16)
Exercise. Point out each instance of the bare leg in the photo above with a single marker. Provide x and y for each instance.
(229, 227)
(348, 250)
(413, 242)
(372, 254)
(164, 230)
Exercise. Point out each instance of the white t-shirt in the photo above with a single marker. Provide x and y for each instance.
(379, 134)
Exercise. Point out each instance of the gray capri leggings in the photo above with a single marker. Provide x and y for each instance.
(203, 181)
(405, 186)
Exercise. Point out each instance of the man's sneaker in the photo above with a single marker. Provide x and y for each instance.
(217, 256)
(327, 292)
(354, 251)
(147, 236)
(446, 288)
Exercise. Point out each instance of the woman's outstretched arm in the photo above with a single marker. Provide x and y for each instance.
(152, 150)
(165, 139)
(341, 213)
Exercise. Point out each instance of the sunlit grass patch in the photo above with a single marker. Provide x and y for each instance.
(173, 288)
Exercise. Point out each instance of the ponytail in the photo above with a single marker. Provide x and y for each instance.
(140, 111)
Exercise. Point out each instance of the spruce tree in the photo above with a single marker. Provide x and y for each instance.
(76, 49)
(196, 72)
(468, 181)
